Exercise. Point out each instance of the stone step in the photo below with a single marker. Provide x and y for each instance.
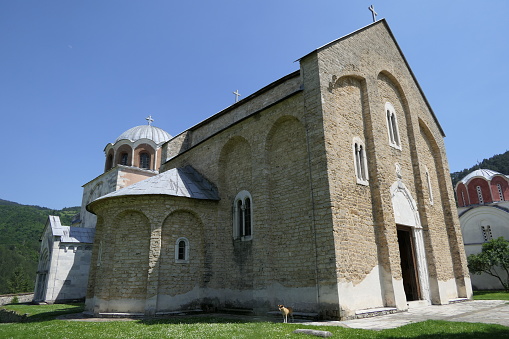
(417, 303)
(374, 312)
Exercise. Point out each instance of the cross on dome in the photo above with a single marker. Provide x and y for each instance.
(149, 119)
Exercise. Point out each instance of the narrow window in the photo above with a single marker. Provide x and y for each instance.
(247, 217)
(360, 161)
(182, 250)
(243, 216)
(145, 160)
(463, 198)
(500, 192)
(430, 191)
(240, 218)
(486, 233)
(123, 159)
(392, 126)
(479, 194)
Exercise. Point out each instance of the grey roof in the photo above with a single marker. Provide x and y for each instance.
(155, 134)
(69, 233)
(179, 182)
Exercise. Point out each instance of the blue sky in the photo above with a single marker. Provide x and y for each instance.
(76, 74)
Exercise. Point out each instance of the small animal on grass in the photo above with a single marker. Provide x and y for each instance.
(286, 311)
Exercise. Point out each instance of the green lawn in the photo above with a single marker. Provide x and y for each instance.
(491, 295)
(41, 324)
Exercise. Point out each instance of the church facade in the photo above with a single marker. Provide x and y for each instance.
(327, 190)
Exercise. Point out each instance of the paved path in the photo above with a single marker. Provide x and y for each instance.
(477, 311)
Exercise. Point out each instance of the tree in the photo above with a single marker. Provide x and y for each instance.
(493, 260)
(18, 283)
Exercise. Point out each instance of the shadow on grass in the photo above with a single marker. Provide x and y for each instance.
(37, 313)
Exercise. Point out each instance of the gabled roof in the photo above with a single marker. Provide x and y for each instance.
(179, 182)
(384, 22)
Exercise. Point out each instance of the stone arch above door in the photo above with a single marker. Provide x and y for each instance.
(404, 206)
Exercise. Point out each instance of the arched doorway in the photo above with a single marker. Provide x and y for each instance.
(411, 243)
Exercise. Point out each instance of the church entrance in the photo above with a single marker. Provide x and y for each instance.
(408, 263)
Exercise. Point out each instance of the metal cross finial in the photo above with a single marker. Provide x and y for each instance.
(237, 95)
(149, 119)
(372, 9)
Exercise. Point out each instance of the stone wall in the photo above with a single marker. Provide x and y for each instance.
(320, 239)
(22, 298)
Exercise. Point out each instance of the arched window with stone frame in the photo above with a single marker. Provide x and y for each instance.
(243, 216)
(360, 161)
(392, 126)
(182, 250)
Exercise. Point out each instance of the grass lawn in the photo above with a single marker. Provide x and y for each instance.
(491, 295)
(42, 324)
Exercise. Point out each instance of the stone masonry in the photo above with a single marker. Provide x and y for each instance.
(321, 241)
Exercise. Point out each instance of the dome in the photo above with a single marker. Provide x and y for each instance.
(485, 173)
(155, 134)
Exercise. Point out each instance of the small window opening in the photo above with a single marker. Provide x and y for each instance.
(486, 233)
(145, 160)
(479, 195)
(123, 159)
(500, 192)
(242, 216)
(182, 250)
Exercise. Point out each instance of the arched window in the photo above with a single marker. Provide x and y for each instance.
(182, 250)
(144, 160)
(360, 162)
(124, 158)
(430, 191)
(392, 126)
(243, 216)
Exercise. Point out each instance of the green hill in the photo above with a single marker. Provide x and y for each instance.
(498, 163)
(21, 227)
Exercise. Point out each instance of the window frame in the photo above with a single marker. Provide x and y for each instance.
(392, 126)
(178, 260)
(240, 220)
(360, 161)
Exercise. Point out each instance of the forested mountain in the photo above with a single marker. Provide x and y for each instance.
(21, 227)
(499, 163)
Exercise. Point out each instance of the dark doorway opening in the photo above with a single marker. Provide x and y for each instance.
(408, 263)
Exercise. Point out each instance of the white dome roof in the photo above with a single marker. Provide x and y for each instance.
(155, 134)
(485, 173)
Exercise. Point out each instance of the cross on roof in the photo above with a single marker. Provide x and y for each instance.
(149, 119)
(237, 95)
(372, 9)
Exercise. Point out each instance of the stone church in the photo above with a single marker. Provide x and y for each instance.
(328, 190)
(483, 209)
(64, 259)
